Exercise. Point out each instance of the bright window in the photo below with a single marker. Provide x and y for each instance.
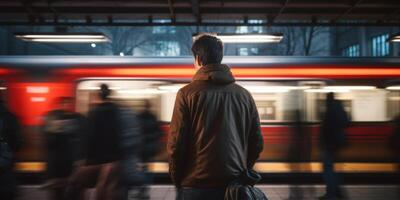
(242, 29)
(163, 29)
(254, 51)
(352, 51)
(243, 51)
(167, 48)
(380, 45)
(255, 29)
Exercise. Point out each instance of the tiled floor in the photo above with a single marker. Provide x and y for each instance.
(273, 192)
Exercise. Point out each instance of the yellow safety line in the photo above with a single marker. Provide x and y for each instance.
(313, 167)
(263, 167)
(30, 167)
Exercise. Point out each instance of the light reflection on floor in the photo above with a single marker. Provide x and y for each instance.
(273, 192)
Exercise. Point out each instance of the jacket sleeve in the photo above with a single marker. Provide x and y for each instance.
(177, 139)
(255, 142)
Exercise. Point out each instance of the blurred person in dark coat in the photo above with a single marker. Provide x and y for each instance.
(299, 153)
(133, 178)
(151, 143)
(395, 145)
(10, 142)
(152, 133)
(215, 133)
(63, 130)
(332, 138)
(102, 152)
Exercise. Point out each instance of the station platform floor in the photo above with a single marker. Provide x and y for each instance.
(273, 192)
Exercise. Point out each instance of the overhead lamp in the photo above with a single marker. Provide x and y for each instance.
(249, 38)
(394, 38)
(63, 37)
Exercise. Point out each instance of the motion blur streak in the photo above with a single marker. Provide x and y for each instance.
(243, 72)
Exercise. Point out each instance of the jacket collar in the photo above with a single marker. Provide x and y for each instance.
(215, 73)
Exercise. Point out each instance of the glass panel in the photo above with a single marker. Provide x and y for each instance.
(362, 103)
(275, 101)
(142, 40)
(243, 52)
(393, 107)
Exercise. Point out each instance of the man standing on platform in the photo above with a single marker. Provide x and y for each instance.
(10, 143)
(215, 128)
(332, 138)
(63, 130)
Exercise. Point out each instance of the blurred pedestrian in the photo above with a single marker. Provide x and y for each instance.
(133, 177)
(10, 142)
(151, 146)
(395, 145)
(152, 133)
(215, 131)
(332, 138)
(63, 130)
(299, 153)
(101, 152)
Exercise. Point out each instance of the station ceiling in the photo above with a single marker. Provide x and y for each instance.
(199, 12)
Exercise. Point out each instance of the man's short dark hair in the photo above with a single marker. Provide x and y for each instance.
(208, 48)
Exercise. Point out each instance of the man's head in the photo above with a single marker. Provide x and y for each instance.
(207, 49)
(330, 98)
(104, 92)
(147, 104)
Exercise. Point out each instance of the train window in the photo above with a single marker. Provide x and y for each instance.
(266, 110)
(131, 93)
(393, 109)
(361, 103)
(275, 101)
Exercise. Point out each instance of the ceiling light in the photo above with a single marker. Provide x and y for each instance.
(251, 38)
(63, 37)
(248, 38)
(394, 38)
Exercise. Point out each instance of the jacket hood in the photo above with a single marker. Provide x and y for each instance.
(215, 73)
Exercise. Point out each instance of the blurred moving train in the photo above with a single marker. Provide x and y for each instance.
(368, 87)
